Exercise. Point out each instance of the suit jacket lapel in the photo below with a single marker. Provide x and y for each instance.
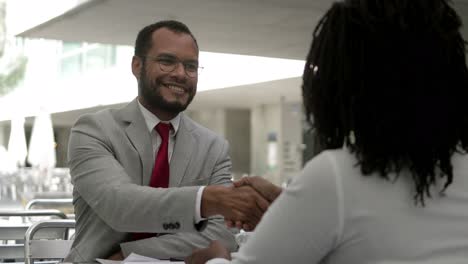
(138, 134)
(183, 148)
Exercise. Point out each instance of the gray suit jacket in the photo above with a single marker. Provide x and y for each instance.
(110, 158)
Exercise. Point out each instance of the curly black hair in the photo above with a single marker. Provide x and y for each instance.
(388, 79)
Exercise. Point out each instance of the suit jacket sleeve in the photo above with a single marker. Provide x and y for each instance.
(121, 203)
(180, 245)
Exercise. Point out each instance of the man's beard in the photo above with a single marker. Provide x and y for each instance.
(151, 93)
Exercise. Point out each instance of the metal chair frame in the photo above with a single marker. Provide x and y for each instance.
(48, 202)
(46, 248)
(16, 232)
(51, 203)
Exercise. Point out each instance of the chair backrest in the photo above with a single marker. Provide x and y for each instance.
(51, 203)
(63, 204)
(11, 252)
(15, 232)
(47, 248)
(33, 212)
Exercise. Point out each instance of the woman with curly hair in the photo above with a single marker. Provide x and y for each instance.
(385, 85)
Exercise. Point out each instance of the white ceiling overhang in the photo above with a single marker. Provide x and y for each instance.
(271, 28)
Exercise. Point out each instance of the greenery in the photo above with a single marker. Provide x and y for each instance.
(11, 78)
(13, 69)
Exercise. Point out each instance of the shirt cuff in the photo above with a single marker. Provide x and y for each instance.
(218, 261)
(198, 217)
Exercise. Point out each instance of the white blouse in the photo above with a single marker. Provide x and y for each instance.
(333, 214)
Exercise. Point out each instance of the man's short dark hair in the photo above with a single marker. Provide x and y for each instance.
(143, 41)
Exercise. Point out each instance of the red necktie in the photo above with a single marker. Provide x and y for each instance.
(160, 174)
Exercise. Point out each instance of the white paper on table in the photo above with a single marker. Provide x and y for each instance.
(106, 261)
(136, 259)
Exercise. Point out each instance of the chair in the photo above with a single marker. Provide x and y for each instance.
(33, 213)
(63, 204)
(49, 202)
(47, 248)
(15, 232)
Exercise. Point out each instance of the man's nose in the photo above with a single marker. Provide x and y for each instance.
(179, 69)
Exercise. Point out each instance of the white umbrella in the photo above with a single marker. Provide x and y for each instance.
(42, 144)
(17, 148)
(7, 166)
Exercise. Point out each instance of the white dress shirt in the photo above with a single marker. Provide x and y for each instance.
(151, 122)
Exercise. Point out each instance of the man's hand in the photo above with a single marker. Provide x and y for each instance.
(117, 256)
(215, 250)
(242, 204)
(267, 189)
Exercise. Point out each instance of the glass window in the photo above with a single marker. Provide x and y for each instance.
(99, 57)
(71, 65)
(70, 46)
(79, 58)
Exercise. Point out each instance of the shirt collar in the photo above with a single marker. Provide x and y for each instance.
(151, 120)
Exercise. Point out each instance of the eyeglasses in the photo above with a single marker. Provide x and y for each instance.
(169, 64)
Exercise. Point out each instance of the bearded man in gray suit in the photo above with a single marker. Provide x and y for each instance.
(112, 154)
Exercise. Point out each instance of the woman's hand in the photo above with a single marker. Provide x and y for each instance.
(215, 250)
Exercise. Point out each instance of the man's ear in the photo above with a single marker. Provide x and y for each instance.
(137, 66)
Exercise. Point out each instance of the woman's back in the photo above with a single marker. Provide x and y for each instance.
(381, 221)
(333, 214)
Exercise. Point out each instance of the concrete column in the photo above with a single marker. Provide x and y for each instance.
(265, 121)
(214, 119)
(237, 133)
(291, 144)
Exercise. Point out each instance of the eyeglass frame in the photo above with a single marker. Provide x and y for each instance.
(176, 62)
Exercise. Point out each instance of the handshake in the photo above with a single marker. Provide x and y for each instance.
(243, 204)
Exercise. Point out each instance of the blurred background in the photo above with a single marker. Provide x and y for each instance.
(60, 59)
